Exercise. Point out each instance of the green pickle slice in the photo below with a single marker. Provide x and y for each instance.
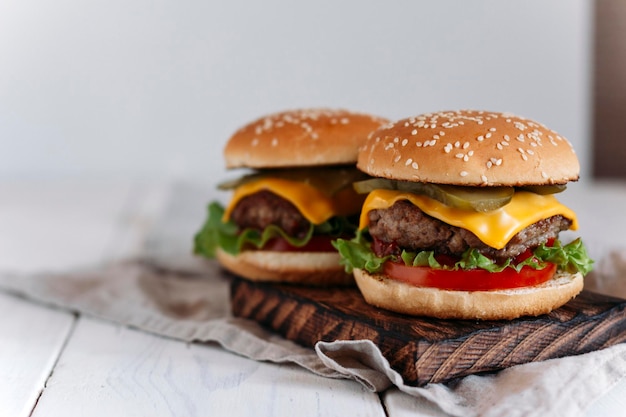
(328, 179)
(468, 198)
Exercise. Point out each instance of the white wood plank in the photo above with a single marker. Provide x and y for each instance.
(107, 370)
(31, 338)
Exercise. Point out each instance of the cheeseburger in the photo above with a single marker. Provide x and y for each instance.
(461, 218)
(295, 198)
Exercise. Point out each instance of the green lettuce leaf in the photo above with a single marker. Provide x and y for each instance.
(226, 235)
(357, 253)
(572, 257)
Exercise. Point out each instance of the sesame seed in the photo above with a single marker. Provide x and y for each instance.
(447, 148)
(466, 145)
(530, 152)
(520, 138)
(397, 158)
(544, 175)
(459, 155)
(457, 144)
(488, 135)
(466, 158)
(435, 137)
(520, 125)
(404, 142)
(389, 146)
(489, 164)
(463, 173)
(408, 162)
(524, 157)
(520, 150)
(480, 138)
(414, 165)
(255, 142)
(442, 133)
(274, 142)
(493, 129)
(418, 144)
(433, 142)
(483, 178)
(499, 146)
(414, 132)
(470, 153)
(507, 138)
(495, 161)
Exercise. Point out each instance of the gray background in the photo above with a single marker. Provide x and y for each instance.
(152, 89)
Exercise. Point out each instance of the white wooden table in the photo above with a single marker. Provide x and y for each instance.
(53, 363)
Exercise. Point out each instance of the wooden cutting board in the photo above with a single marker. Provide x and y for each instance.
(425, 350)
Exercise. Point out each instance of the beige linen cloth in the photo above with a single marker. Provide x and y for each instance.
(172, 294)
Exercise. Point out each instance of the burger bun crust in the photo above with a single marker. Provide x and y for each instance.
(471, 148)
(320, 269)
(303, 137)
(393, 295)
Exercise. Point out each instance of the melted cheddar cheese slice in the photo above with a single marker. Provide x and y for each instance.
(315, 205)
(494, 228)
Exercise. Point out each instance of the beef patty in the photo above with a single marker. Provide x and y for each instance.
(410, 228)
(259, 210)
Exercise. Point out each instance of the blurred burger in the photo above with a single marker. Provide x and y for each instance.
(295, 198)
(461, 219)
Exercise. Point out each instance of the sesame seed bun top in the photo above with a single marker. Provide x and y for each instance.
(468, 147)
(304, 137)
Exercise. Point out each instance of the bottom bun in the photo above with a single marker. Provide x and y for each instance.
(400, 297)
(320, 269)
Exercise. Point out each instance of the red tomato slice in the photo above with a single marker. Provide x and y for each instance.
(471, 280)
(316, 244)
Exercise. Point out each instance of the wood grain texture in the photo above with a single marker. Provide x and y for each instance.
(110, 370)
(425, 350)
(31, 340)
